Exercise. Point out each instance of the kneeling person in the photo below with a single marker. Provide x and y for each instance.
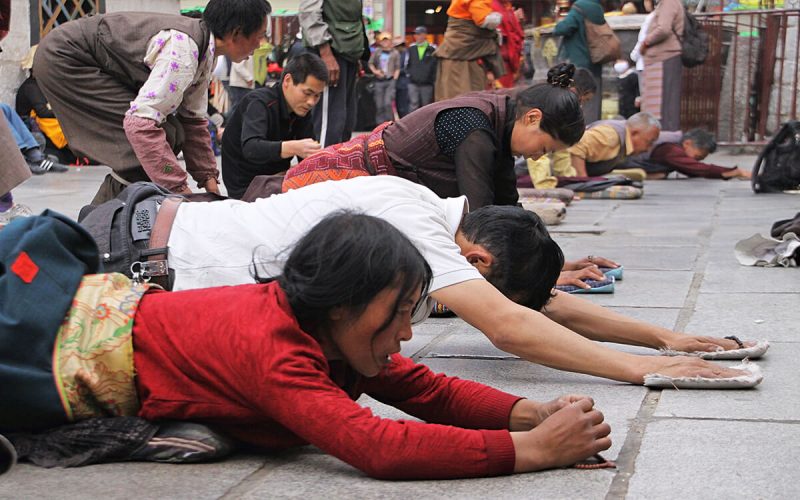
(273, 124)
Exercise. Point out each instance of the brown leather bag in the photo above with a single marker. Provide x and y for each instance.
(603, 44)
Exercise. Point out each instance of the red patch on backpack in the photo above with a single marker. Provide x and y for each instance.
(25, 268)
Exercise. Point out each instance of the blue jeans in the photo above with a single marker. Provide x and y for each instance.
(22, 135)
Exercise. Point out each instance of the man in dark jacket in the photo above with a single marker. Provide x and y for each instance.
(575, 48)
(272, 125)
(421, 70)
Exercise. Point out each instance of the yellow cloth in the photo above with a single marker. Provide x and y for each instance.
(561, 164)
(475, 10)
(601, 143)
(539, 170)
(52, 129)
(93, 358)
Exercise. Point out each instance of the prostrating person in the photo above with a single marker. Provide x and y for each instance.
(494, 267)
(275, 365)
(461, 146)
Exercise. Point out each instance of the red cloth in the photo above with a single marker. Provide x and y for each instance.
(673, 156)
(235, 358)
(5, 15)
(513, 40)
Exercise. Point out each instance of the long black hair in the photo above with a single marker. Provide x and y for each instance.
(345, 261)
(561, 109)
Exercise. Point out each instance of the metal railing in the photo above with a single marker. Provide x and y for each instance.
(748, 85)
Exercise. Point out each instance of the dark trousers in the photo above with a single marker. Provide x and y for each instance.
(335, 114)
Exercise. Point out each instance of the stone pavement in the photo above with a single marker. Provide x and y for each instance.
(677, 247)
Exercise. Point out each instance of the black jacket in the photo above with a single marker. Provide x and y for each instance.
(421, 72)
(251, 144)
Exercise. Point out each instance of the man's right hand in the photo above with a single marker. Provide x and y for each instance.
(301, 148)
(571, 434)
(329, 59)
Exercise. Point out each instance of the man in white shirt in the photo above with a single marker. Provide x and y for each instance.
(494, 267)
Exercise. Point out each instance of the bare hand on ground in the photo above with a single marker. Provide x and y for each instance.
(329, 59)
(737, 173)
(692, 343)
(576, 278)
(569, 435)
(527, 414)
(591, 260)
(687, 366)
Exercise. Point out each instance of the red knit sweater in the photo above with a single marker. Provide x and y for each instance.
(236, 358)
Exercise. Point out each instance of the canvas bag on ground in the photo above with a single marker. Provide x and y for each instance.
(777, 168)
(603, 44)
(694, 43)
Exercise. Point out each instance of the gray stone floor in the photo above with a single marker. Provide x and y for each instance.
(677, 247)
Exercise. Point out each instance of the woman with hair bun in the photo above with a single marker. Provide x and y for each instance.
(460, 146)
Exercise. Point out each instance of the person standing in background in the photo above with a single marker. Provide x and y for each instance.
(511, 41)
(663, 68)
(385, 65)
(575, 48)
(241, 81)
(469, 57)
(421, 70)
(401, 98)
(334, 29)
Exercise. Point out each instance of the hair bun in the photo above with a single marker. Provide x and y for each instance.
(561, 75)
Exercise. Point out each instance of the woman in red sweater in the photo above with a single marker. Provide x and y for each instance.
(280, 364)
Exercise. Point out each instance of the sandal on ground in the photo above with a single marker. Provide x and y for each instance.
(597, 286)
(752, 379)
(752, 352)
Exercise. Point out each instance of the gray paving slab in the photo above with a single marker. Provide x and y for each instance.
(717, 459)
(312, 474)
(640, 255)
(744, 315)
(128, 480)
(665, 317)
(774, 399)
(722, 278)
(649, 289)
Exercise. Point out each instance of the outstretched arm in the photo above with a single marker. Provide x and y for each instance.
(534, 337)
(600, 323)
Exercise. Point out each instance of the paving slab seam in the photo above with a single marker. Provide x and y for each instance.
(251, 482)
(721, 419)
(689, 304)
(626, 460)
(426, 349)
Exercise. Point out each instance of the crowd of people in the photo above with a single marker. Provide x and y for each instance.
(259, 318)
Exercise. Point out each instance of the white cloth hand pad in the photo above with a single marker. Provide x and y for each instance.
(752, 378)
(752, 352)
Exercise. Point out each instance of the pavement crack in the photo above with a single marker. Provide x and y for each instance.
(626, 461)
